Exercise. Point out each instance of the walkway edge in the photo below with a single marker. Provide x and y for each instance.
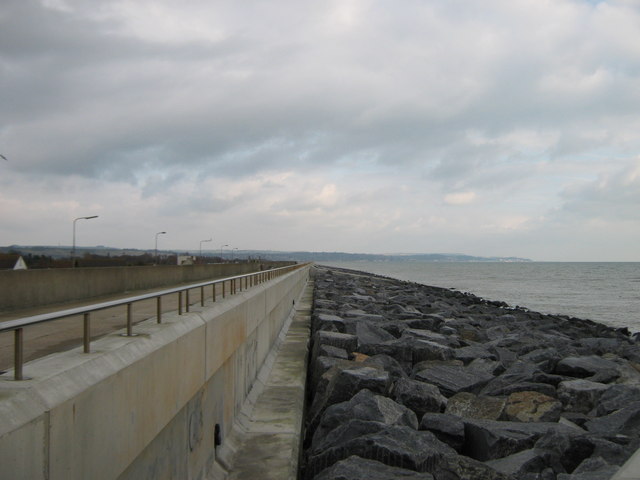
(265, 441)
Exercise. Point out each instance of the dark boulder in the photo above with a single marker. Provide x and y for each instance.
(580, 395)
(527, 406)
(356, 468)
(451, 379)
(490, 439)
(585, 366)
(447, 428)
(527, 461)
(420, 397)
(395, 446)
(387, 363)
(625, 421)
(615, 398)
(369, 333)
(468, 405)
(365, 405)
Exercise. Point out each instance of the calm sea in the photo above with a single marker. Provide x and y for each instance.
(604, 292)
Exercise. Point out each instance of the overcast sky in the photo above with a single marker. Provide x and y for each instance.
(494, 127)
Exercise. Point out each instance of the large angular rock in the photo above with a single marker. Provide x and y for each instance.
(545, 359)
(451, 379)
(388, 364)
(615, 398)
(580, 395)
(460, 467)
(368, 333)
(586, 366)
(395, 446)
(418, 396)
(522, 376)
(624, 421)
(527, 461)
(356, 468)
(591, 469)
(473, 352)
(532, 407)
(345, 383)
(468, 405)
(490, 439)
(365, 405)
(336, 339)
(327, 321)
(447, 428)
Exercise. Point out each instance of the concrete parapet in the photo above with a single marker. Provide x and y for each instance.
(149, 406)
(32, 288)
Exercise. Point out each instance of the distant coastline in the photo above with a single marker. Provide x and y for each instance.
(303, 256)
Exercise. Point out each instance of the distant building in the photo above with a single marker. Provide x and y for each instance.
(186, 259)
(11, 261)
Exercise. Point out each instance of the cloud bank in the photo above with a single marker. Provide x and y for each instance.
(491, 128)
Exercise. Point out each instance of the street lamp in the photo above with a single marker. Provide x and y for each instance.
(156, 255)
(221, 247)
(73, 249)
(201, 242)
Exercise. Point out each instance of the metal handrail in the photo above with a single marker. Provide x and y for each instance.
(17, 325)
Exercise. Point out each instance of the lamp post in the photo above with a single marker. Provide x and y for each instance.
(221, 247)
(73, 249)
(156, 255)
(201, 242)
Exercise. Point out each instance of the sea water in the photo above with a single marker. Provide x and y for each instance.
(605, 292)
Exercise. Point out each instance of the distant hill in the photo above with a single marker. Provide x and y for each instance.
(301, 256)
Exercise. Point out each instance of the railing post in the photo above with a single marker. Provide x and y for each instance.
(87, 333)
(223, 293)
(18, 353)
(186, 303)
(202, 296)
(129, 320)
(159, 309)
(180, 302)
(214, 292)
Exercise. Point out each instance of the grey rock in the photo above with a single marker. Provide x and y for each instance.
(368, 333)
(591, 469)
(388, 364)
(615, 398)
(331, 351)
(624, 421)
(326, 321)
(336, 339)
(396, 446)
(585, 366)
(490, 439)
(472, 352)
(527, 406)
(527, 461)
(545, 359)
(451, 379)
(447, 428)
(356, 468)
(492, 367)
(580, 395)
(345, 383)
(365, 405)
(521, 373)
(459, 467)
(468, 405)
(420, 397)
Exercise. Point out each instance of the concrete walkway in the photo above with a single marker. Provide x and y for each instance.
(266, 439)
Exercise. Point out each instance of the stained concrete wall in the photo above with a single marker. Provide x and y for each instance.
(144, 407)
(33, 288)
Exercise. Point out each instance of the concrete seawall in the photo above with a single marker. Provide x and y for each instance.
(153, 406)
(32, 288)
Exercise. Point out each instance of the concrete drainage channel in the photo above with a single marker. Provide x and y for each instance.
(266, 438)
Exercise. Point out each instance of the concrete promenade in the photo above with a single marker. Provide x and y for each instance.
(155, 406)
(266, 438)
